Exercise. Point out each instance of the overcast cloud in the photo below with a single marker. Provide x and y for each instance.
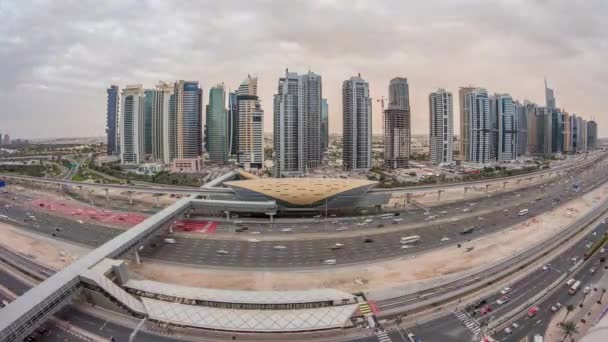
(58, 57)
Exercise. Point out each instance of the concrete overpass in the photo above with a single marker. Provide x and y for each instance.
(27, 312)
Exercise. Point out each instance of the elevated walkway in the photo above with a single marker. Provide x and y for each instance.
(239, 299)
(333, 317)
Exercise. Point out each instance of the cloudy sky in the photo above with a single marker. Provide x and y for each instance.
(58, 57)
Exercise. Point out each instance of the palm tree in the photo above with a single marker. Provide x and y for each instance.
(568, 328)
(599, 301)
(569, 309)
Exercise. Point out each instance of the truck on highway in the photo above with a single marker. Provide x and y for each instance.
(574, 287)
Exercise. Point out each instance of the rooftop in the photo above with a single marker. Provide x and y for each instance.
(300, 191)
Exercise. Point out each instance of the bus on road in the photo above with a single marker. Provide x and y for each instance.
(410, 239)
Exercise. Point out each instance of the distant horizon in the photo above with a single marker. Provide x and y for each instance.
(440, 46)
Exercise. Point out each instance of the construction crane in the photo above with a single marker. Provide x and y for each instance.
(381, 100)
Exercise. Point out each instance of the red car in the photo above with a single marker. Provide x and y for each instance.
(485, 310)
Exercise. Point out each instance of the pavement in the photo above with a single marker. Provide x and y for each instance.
(301, 253)
(459, 327)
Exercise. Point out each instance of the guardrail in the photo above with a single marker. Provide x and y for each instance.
(490, 274)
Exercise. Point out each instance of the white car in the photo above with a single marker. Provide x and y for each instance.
(556, 307)
(505, 290)
(602, 250)
(221, 251)
(508, 331)
(587, 289)
(445, 238)
(80, 221)
(329, 262)
(279, 247)
(169, 240)
(515, 325)
(253, 240)
(286, 229)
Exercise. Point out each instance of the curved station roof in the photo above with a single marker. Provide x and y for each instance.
(300, 191)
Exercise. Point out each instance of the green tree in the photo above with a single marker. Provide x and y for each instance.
(568, 328)
(569, 309)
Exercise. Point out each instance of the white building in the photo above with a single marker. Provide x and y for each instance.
(162, 127)
(475, 110)
(441, 125)
(297, 124)
(250, 152)
(132, 125)
(356, 124)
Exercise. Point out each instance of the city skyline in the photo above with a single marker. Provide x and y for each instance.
(76, 66)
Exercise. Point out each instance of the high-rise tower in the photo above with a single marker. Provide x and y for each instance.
(441, 127)
(356, 124)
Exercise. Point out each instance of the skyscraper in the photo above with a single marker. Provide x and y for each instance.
(113, 120)
(591, 135)
(356, 124)
(324, 125)
(7, 139)
(574, 134)
(582, 134)
(476, 114)
(297, 124)
(131, 131)
(148, 104)
(557, 131)
(163, 127)
(397, 125)
(217, 125)
(464, 144)
(250, 125)
(504, 129)
(522, 128)
(544, 131)
(532, 123)
(549, 97)
(188, 115)
(441, 127)
(233, 124)
(399, 94)
(567, 133)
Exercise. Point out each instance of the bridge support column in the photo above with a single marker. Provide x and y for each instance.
(466, 189)
(157, 199)
(271, 217)
(487, 187)
(107, 196)
(439, 195)
(137, 259)
(227, 214)
(408, 197)
(130, 194)
(504, 185)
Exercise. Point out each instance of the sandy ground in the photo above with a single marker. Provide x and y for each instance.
(422, 267)
(53, 253)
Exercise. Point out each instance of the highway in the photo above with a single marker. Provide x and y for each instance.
(574, 162)
(451, 327)
(303, 253)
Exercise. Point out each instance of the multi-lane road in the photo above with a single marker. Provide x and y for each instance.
(444, 230)
(462, 325)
